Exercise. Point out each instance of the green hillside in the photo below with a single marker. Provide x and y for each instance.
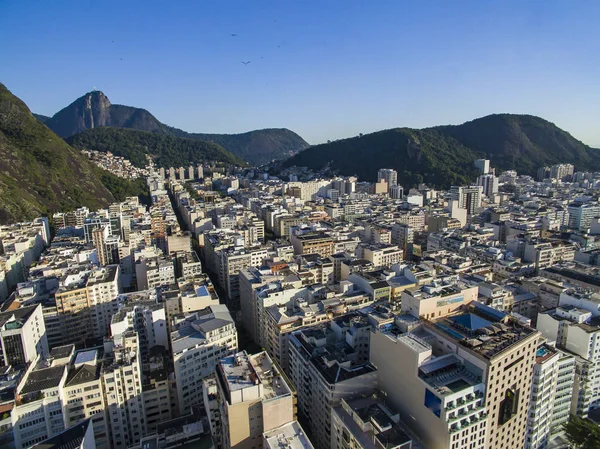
(443, 156)
(38, 169)
(167, 151)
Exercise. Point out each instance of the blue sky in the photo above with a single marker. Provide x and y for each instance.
(325, 69)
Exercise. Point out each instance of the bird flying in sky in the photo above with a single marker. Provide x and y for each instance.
(246, 62)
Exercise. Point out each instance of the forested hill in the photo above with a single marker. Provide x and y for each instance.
(443, 156)
(167, 151)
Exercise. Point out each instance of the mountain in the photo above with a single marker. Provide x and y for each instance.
(167, 151)
(94, 110)
(443, 156)
(38, 169)
(41, 118)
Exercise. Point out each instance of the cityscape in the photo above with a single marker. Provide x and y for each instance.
(239, 309)
(299, 224)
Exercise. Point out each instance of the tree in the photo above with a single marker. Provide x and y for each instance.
(582, 433)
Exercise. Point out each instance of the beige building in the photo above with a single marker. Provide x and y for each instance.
(253, 397)
(73, 307)
(383, 255)
(313, 243)
(466, 377)
(437, 299)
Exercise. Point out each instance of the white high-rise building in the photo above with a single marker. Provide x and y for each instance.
(483, 165)
(575, 327)
(468, 197)
(324, 375)
(552, 383)
(122, 379)
(581, 215)
(103, 286)
(489, 182)
(388, 175)
(22, 336)
(198, 343)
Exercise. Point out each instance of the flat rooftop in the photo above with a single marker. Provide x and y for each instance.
(482, 329)
(242, 371)
(288, 436)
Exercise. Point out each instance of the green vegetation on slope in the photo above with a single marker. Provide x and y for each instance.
(167, 151)
(522, 142)
(257, 147)
(443, 156)
(419, 156)
(39, 172)
(121, 188)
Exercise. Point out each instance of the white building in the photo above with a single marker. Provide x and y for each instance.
(198, 343)
(122, 378)
(22, 335)
(576, 330)
(468, 197)
(103, 287)
(324, 375)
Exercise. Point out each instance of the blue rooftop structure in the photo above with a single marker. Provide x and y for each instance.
(202, 291)
(470, 321)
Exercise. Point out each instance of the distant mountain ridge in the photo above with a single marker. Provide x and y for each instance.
(443, 155)
(39, 172)
(94, 110)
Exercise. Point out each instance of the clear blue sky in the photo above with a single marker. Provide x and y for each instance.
(325, 69)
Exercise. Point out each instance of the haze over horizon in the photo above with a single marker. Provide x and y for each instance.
(325, 71)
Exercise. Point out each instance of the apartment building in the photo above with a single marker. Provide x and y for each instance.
(438, 298)
(545, 254)
(312, 243)
(576, 330)
(83, 395)
(382, 255)
(261, 288)
(73, 307)
(154, 272)
(121, 374)
(80, 436)
(581, 215)
(468, 197)
(402, 235)
(22, 336)
(198, 343)
(550, 400)
(366, 423)
(37, 414)
(328, 363)
(103, 287)
(466, 376)
(254, 398)
(231, 265)
(291, 435)
(148, 319)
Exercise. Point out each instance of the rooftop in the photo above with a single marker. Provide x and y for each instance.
(43, 379)
(288, 436)
(482, 329)
(242, 371)
(71, 438)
